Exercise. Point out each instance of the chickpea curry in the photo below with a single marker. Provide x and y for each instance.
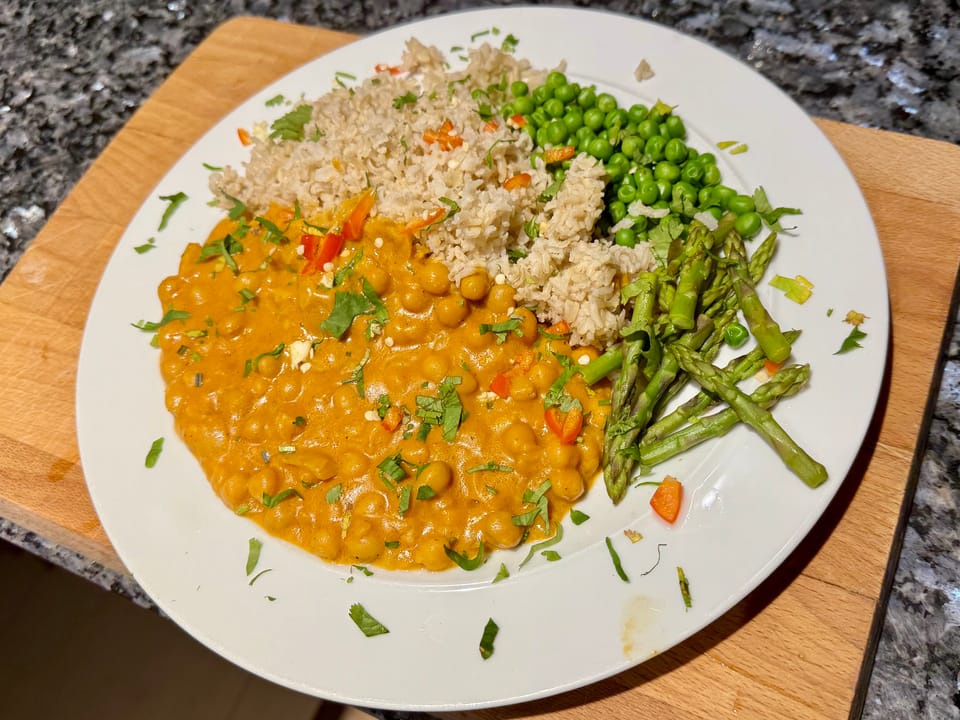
(338, 389)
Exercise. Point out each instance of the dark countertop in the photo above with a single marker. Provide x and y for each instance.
(71, 76)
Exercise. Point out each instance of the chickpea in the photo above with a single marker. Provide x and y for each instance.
(232, 325)
(364, 541)
(269, 366)
(370, 504)
(435, 366)
(173, 398)
(501, 298)
(434, 278)
(566, 484)
(415, 451)
(500, 531)
(475, 286)
(559, 455)
(437, 475)
(265, 480)
(353, 463)
(414, 298)
(430, 554)
(528, 325)
(281, 516)
(252, 428)
(474, 339)
(542, 375)
(468, 383)
(325, 543)
(233, 489)
(406, 330)
(519, 438)
(451, 310)
(290, 386)
(590, 455)
(169, 289)
(189, 259)
(522, 389)
(318, 463)
(197, 296)
(345, 398)
(377, 277)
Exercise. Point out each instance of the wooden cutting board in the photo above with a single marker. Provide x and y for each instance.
(793, 648)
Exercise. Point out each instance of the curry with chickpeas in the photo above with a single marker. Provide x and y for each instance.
(338, 389)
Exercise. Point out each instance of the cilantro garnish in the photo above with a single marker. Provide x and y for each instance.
(491, 466)
(383, 405)
(684, 588)
(771, 216)
(271, 501)
(851, 341)
(503, 329)
(347, 306)
(479, 34)
(663, 235)
(502, 573)
(445, 410)
(154, 453)
(577, 517)
(356, 377)
(391, 470)
(213, 168)
(368, 624)
(617, 565)
(333, 494)
(364, 569)
(425, 492)
(237, 209)
(537, 547)
(225, 248)
(290, 126)
(149, 245)
(464, 561)
(274, 234)
(168, 316)
(259, 575)
(175, 200)
(551, 555)
(490, 150)
(404, 499)
(407, 99)
(454, 208)
(490, 631)
(380, 313)
(343, 273)
(537, 498)
(253, 554)
(274, 101)
(509, 43)
(246, 295)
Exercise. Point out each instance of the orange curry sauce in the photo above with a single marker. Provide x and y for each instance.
(386, 445)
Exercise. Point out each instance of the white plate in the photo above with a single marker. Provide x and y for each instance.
(562, 624)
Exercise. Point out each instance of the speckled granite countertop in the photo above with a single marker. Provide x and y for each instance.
(70, 76)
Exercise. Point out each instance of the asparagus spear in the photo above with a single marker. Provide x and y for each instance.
(764, 328)
(711, 379)
(738, 370)
(788, 381)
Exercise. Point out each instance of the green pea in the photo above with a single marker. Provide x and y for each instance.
(630, 129)
(593, 118)
(715, 211)
(648, 192)
(722, 195)
(531, 130)
(705, 197)
(554, 108)
(741, 204)
(584, 132)
(617, 210)
(626, 193)
(711, 174)
(604, 133)
(642, 173)
(638, 113)
(524, 105)
(665, 189)
(654, 147)
(606, 102)
(707, 159)
(618, 158)
(600, 148)
(666, 170)
(555, 79)
(559, 174)
(648, 128)
(675, 127)
(735, 335)
(641, 235)
(682, 188)
(692, 172)
(640, 224)
(539, 117)
(625, 237)
(566, 93)
(661, 205)
(616, 117)
(692, 154)
(573, 119)
(631, 147)
(556, 132)
(507, 111)
(748, 224)
(587, 98)
(518, 88)
(542, 94)
(675, 150)
(542, 139)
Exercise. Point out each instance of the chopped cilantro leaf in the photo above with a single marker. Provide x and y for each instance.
(175, 200)
(168, 316)
(551, 555)
(333, 494)
(149, 245)
(404, 499)
(540, 546)
(356, 377)
(684, 588)
(577, 517)
(491, 466)
(347, 306)
(274, 101)
(464, 561)
(368, 624)
(259, 575)
(253, 554)
(343, 273)
(502, 573)
(364, 569)
(617, 565)
(251, 365)
(213, 168)
(852, 341)
(509, 43)
(490, 631)
(154, 453)
(503, 329)
(274, 234)
(425, 492)
(290, 126)
(271, 501)
(406, 99)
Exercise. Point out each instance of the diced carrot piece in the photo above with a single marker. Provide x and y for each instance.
(558, 154)
(445, 128)
(772, 367)
(520, 180)
(353, 227)
(392, 419)
(667, 498)
(501, 385)
(382, 67)
(244, 136)
(491, 126)
(518, 120)
(559, 328)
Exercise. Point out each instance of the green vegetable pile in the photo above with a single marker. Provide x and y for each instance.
(662, 191)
